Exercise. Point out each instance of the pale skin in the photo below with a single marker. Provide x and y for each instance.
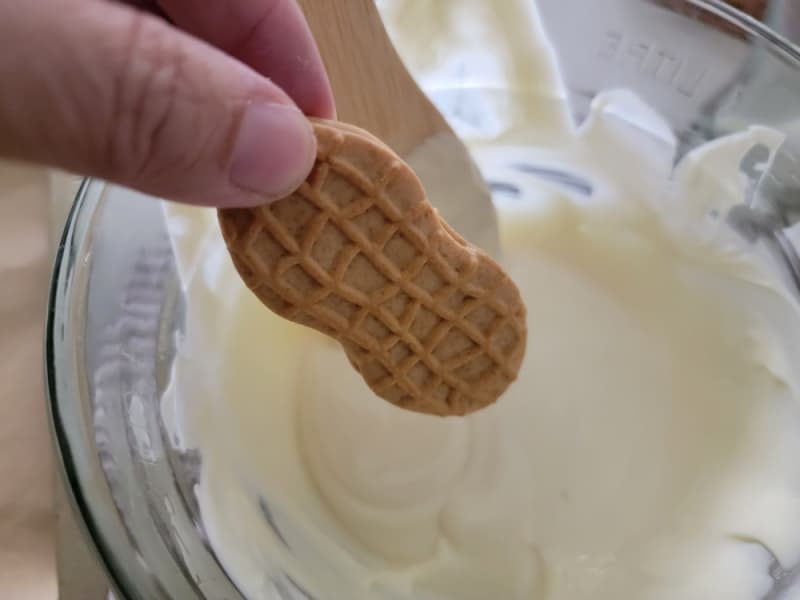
(197, 101)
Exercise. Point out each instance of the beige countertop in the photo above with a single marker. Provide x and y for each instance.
(42, 552)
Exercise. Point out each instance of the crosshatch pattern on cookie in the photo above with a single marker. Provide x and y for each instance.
(358, 253)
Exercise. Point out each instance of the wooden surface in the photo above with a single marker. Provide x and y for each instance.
(43, 554)
(754, 8)
(375, 91)
(27, 560)
(371, 85)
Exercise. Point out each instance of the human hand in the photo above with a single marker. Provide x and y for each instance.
(202, 104)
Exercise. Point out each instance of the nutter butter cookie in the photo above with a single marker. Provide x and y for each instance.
(431, 322)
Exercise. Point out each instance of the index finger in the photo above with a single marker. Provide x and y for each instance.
(271, 36)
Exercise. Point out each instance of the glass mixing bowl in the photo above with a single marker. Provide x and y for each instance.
(116, 303)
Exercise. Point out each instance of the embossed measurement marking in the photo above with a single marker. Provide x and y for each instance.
(652, 61)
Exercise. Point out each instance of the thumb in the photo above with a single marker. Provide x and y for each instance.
(118, 94)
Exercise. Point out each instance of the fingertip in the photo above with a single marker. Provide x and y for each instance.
(323, 105)
(273, 153)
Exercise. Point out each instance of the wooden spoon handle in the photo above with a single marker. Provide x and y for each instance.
(372, 87)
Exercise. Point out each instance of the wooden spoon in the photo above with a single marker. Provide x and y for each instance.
(375, 91)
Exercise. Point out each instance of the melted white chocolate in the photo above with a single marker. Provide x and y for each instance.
(647, 451)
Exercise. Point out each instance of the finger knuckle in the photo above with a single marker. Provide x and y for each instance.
(148, 94)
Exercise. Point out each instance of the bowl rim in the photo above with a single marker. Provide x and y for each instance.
(105, 529)
(80, 465)
(104, 533)
(64, 406)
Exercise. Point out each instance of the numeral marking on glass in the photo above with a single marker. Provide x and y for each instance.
(652, 61)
